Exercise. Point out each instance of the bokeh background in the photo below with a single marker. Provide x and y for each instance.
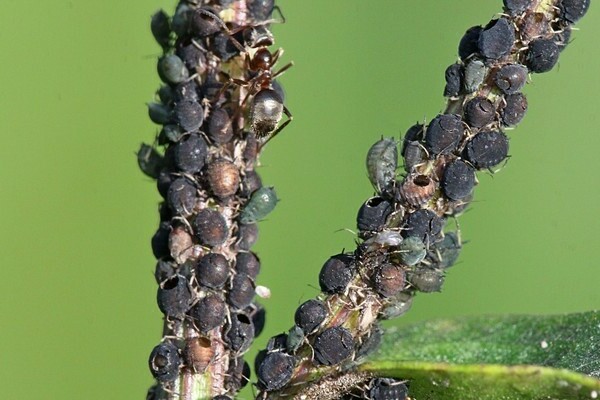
(77, 302)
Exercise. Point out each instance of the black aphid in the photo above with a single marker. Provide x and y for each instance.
(336, 274)
(333, 346)
(542, 55)
(458, 180)
(443, 134)
(164, 362)
(174, 297)
(182, 196)
(373, 214)
(487, 149)
(212, 271)
(190, 154)
(496, 39)
(310, 315)
(210, 227)
(275, 370)
(209, 313)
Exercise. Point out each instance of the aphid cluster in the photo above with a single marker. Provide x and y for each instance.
(218, 105)
(405, 245)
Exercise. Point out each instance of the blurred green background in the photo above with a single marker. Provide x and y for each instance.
(78, 294)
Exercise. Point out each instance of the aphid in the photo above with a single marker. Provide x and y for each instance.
(370, 342)
(469, 42)
(164, 362)
(160, 27)
(156, 392)
(190, 154)
(210, 227)
(238, 374)
(572, 10)
(516, 7)
(192, 56)
(373, 214)
(213, 271)
(511, 78)
(242, 292)
(251, 182)
(275, 371)
(448, 250)
(454, 80)
(198, 353)
(562, 35)
(219, 128)
(479, 111)
(417, 189)
(427, 281)
(149, 160)
(262, 291)
(542, 55)
(310, 315)
(412, 251)
(258, 315)
(336, 273)
(388, 280)
(188, 114)
(221, 397)
(333, 345)
(496, 39)
(475, 73)
(180, 243)
(203, 22)
(188, 91)
(398, 305)
(443, 134)
(159, 113)
(247, 236)
(163, 182)
(458, 180)
(240, 333)
(423, 224)
(514, 110)
(182, 196)
(295, 338)
(165, 94)
(170, 133)
(171, 69)
(487, 149)
(223, 178)
(382, 162)
(262, 202)
(414, 155)
(164, 270)
(387, 389)
(247, 263)
(174, 297)
(260, 10)
(160, 240)
(385, 238)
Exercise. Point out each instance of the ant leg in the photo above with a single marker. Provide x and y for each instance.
(271, 136)
(225, 28)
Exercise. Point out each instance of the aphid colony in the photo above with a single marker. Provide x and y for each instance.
(218, 106)
(405, 247)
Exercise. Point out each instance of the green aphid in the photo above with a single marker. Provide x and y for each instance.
(412, 251)
(262, 202)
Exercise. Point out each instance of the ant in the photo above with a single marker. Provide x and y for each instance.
(266, 106)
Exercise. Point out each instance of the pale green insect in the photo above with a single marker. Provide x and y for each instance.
(382, 161)
(262, 202)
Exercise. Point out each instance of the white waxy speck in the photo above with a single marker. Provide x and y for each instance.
(263, 292)
(544, 344)
(594, 394)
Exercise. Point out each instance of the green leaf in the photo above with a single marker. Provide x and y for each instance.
(495, 357)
